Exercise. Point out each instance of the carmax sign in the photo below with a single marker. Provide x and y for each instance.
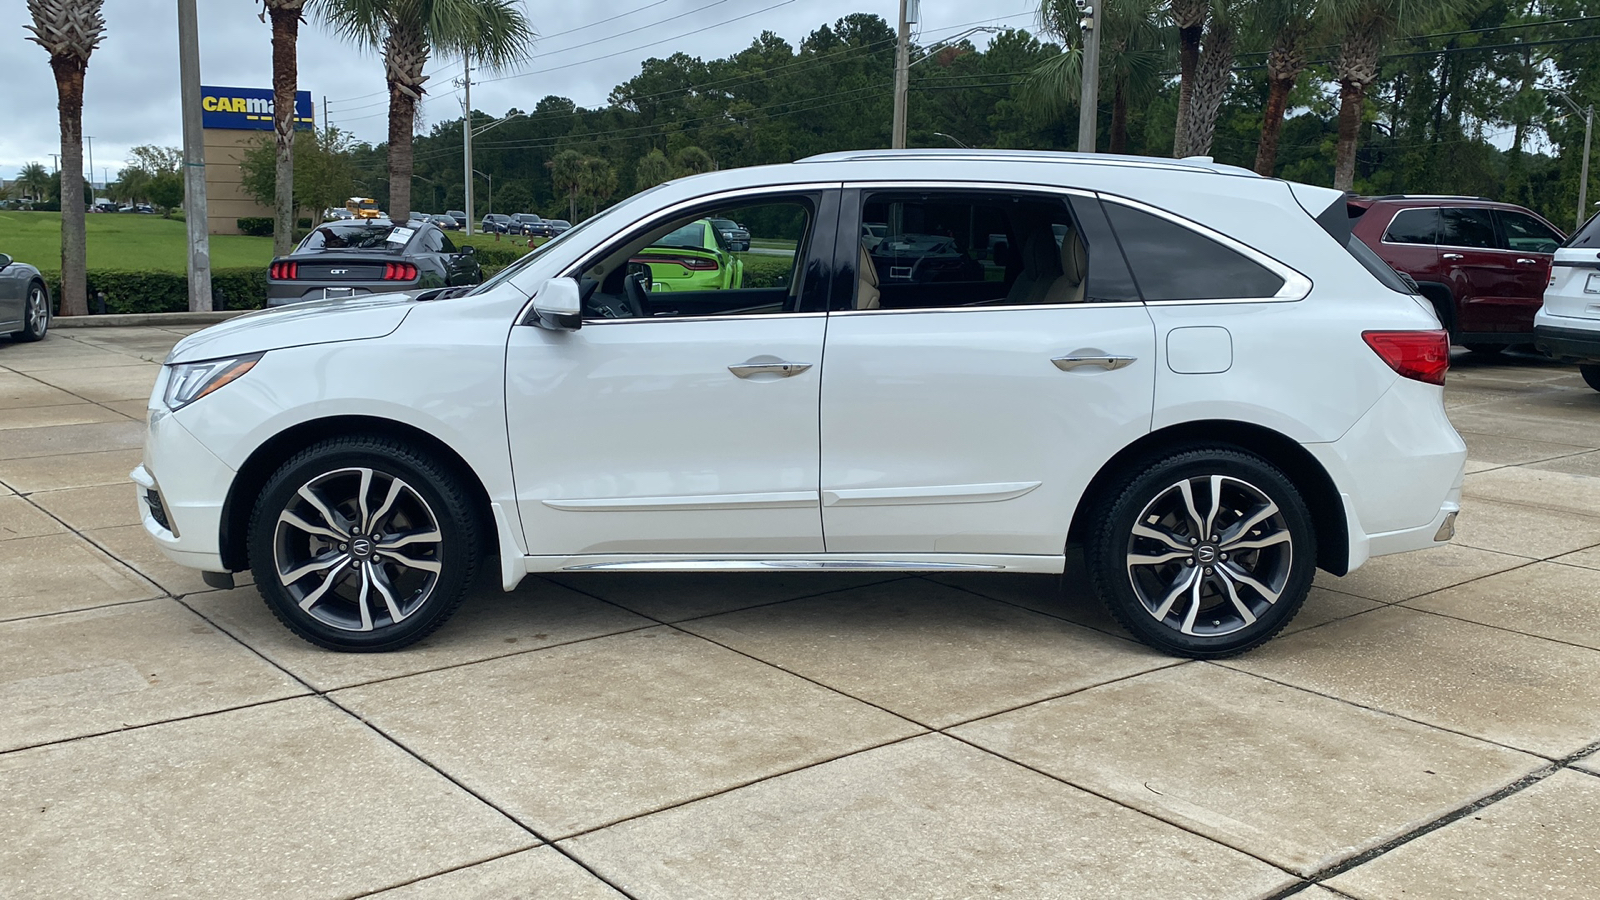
(248, 108)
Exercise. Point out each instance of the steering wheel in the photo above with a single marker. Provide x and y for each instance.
(637, 295)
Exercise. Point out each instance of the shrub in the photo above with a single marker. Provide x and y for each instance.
(255, 226)
(500, 255)
(153, 292)
(766, 271)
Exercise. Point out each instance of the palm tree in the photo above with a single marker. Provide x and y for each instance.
(34, 181)
(599, 181)
(567, 177)
(1212, 72)
(1290, 21)
(69, 30)
(653, 170)
(286, 16)
(1365, 26)
(1190, 17)
(1133, 52)
(492, 33)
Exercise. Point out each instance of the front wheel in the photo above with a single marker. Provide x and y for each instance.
(35, 315)
(1205, 553)
(1591, 375)
(363, 544)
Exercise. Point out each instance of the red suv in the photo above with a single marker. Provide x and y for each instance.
(1483, 264)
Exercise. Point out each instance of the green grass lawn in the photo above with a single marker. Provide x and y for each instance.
(124, 241)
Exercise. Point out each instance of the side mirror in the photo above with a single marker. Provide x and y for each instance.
(559, 305)
(469, 250)
(4, 260)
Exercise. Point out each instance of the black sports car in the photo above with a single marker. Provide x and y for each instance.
(371, 256)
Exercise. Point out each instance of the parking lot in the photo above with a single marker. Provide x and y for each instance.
(1427, 727)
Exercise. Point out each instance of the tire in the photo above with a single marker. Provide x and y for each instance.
(1190, 579)
(1591, 375)
(35, 315)
(306, 538)
(1486, 350)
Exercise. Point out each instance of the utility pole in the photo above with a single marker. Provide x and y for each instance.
(1089, 95)
(324, 112)
(1588, 135)
(55, 163)
(194, 158)
(90, 139)
(466, 133)
(902, 75)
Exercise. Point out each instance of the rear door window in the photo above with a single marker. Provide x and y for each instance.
(1467, 228)
(1413, 226)
(1525, 234)
(1172, 262)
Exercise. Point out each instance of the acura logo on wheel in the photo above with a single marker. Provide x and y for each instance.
(361, 546)
(1206, 554)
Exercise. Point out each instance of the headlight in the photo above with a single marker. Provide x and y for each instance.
(191, 381)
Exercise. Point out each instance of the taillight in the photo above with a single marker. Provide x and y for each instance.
(284, 271)
(1422, 355)
(399, 272)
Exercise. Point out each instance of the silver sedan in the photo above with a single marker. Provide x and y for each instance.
(24, 301)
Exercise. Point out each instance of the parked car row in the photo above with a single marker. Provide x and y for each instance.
(522, 223)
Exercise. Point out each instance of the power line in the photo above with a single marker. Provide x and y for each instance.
(665, 40)
(611, 37)
(621, 15)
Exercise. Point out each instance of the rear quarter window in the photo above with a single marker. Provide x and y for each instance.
(1588, 235)
(1172, 262)
(1413, 226)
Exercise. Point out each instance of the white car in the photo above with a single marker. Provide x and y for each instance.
(1567, 326)
(1204, 382)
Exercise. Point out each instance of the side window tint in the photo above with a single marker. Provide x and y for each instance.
(432, 241)
(1467, 228)
(1527, 234)
(733, 260)
(1413, 226)
(1109, 278)
(449, 245)
(962, 249)
(1171, 262)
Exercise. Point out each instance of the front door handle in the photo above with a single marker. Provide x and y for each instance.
(1109, 363)
(1451, 256)
(780, 369)
(1526, 261)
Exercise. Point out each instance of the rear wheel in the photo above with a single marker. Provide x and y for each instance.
(1591, 375)
(35, 315)
(1205, 553)
(363, 544)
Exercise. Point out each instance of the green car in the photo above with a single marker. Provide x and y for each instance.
(693, 258)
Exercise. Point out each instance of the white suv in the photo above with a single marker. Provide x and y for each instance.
(1567, 327)
(1190, 371)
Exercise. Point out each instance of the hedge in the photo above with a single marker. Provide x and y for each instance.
(766, 271)
(153, 291)
(264, 226)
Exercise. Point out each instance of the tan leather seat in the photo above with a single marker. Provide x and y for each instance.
(1050, 274)
(867, 292)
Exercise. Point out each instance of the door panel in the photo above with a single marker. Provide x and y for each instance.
(634, 436)
(954, 431)
(1482, 276)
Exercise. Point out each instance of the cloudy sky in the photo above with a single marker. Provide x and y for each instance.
(588, 47)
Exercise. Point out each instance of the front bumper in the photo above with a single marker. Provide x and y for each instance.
(181, 488)
(1572, 345)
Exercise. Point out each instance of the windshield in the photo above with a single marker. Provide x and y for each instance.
(366, 235)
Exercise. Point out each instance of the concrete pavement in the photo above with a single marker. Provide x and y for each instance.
(1427, 727)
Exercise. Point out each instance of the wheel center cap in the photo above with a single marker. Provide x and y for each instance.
(1205, 554)
(361, 547)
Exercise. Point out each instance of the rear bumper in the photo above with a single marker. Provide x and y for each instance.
(283, 292)
(1574, 345)
(1399, 471)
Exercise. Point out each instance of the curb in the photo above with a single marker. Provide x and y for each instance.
(114, 320)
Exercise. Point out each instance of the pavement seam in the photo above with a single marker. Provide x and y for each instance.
(1347, 701)
(1510, 790)
(398, 885)
(148, 725)
(1541, 637)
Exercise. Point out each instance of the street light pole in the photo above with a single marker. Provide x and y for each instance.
(489, 179)
(194, 158)
(1089, 94)
(466, 131)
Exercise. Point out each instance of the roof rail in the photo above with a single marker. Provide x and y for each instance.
(1427, 197)
(1192, 164)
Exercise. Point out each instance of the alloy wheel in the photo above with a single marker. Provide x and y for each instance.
(1209, 555)
(358, 549)
(38, 314)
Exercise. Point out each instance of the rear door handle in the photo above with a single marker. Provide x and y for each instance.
(1109, 363)
(1451, 256)
(1526, 261)
(781, 369)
